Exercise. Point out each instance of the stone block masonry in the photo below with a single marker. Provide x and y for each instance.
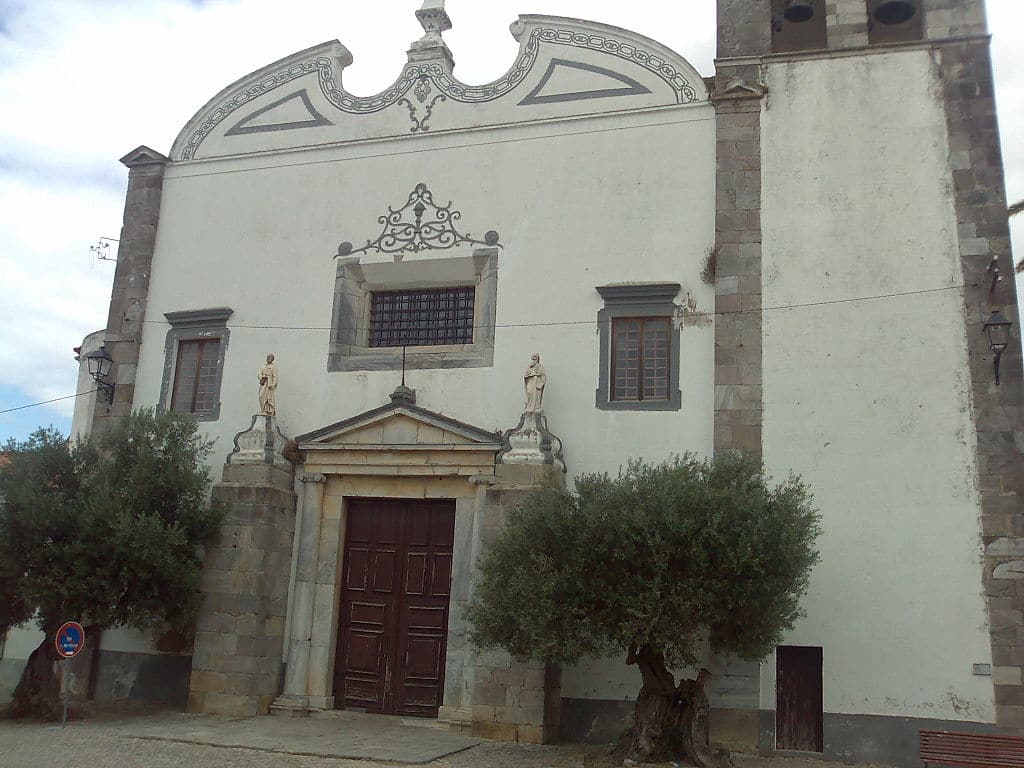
(130, 293)
(738, 366)
(236, 666)
(980, 200)
(512, 699)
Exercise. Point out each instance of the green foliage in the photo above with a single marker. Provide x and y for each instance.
(662, 556)
(108, 531)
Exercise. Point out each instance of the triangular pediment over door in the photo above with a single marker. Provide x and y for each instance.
(400, 439)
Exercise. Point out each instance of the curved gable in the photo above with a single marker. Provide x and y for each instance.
(565, 67)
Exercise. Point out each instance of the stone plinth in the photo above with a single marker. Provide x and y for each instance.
(512, 699)
(236, 666)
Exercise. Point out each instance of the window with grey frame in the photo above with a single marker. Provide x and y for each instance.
(194, 352)
(639, 348)
(442, 311)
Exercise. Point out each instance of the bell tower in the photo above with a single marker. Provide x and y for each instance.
(861, 189)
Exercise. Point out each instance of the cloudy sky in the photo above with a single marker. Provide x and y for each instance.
(82, 82)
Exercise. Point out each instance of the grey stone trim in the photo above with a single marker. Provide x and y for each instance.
(875, 739)
(130, 292)
(738, 362)
(314, 120)
(980, 202)
(628, 86)
(191, 325)
(636, 300)
(349, 350)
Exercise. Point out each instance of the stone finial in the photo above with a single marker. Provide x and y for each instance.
(435, 20)
(403, 394)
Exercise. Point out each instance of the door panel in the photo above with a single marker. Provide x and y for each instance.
(799, 718)
(394, 619)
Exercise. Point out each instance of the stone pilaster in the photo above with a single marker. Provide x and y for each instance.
(236, 665)
(295, 699)
(738, 396)
(983, 228)
(130, 293)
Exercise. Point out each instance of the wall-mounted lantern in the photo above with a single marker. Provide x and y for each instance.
(100, 363)
(997, 329)
(798, 10)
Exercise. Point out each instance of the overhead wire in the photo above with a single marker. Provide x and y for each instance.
(694, 314)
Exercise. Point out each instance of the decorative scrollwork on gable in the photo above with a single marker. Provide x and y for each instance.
(419, 225)
(413, 76)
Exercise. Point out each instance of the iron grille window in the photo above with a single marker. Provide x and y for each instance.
(640, 358)
(195, 376)
(422, 318)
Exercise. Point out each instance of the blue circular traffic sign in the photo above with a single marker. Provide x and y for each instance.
(70, 639)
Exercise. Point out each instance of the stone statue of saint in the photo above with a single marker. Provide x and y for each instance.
(534, 380)
(268, 386)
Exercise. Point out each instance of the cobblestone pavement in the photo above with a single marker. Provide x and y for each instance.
(102, 744)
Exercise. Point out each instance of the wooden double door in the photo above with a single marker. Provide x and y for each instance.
(396, 582)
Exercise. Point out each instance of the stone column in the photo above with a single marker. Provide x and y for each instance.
(295, 698)
(128, 297)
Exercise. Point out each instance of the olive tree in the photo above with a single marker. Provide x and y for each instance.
(654, 564)
(107, 531)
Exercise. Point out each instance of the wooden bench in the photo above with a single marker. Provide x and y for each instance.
(972, 750)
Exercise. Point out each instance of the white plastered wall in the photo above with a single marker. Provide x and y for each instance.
(870, 400)
(578, 203)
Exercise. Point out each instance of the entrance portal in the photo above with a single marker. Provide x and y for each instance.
(394, 606)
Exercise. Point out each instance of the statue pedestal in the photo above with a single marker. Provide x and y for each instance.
(531, 442)
(261, 443)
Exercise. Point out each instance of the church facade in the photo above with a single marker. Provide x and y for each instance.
(600, 256)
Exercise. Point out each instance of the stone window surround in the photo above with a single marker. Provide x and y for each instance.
(355, 283)
(194, 325)
(637, 300)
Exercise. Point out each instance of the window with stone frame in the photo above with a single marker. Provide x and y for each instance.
(441, 312)
(422, 317)
(194, 353)
(639, 348)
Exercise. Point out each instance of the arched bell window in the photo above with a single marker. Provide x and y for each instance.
(895, 21)
(798, 25)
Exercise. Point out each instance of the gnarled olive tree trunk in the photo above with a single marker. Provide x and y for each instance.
(38, 691)
(670, 721)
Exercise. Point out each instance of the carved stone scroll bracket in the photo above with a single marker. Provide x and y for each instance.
(262, 443)
(531, 442)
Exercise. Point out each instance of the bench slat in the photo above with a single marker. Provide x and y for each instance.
(972, 750)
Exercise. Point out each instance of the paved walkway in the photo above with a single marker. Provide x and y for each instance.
(344, 735)
(186, 741)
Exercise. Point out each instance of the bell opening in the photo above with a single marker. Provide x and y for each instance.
(894, 11)
(798, 11)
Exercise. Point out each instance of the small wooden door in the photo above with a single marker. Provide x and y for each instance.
(798, 689)
(394, 607)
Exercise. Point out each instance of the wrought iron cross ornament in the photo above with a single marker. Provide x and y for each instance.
(418, 225)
